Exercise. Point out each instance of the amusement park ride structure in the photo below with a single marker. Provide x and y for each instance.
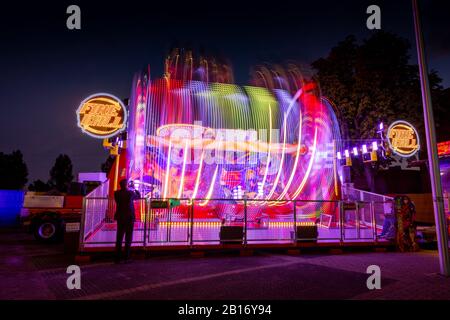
(207, 154)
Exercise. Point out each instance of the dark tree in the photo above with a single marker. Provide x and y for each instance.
(372, 82)
(39, 186)
(61, 174)
(441, 106)
(13, 171)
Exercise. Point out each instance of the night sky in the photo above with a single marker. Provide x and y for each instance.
(46, 69)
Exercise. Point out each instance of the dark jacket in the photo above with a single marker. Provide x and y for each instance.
(124, 204)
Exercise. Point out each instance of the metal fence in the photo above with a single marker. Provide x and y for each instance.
(199, 221)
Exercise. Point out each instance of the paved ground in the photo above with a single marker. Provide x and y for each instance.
(33, 271)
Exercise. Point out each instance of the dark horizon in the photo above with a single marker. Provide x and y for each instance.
(48, 69)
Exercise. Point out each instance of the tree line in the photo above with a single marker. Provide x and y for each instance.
(14, 174)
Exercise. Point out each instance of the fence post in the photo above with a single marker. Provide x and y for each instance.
(83, 220)
(145, 221)
(295, 221)
(358, 230)
(374, 222)
(245, 221)
(191, 226)
(341, 220)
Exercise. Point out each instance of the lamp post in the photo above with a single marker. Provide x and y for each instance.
(433, 160)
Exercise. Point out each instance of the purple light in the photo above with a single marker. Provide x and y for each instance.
(374, 146)
(381, 126)
(339, 156)
(347, 154)
(355, 151)
(364, 148)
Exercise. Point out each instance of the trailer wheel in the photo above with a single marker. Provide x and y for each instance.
(48, 230)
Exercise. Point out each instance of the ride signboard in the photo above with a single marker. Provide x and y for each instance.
(102, 115)
(403, 138)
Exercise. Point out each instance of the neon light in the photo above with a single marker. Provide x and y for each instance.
(355, 151)
(166, 182)
(268, 153)
(185, 152)
(102, 115)
(211, 188)
(197, 180)
(374, 146)
(347, 154)
(299, 143)
(403, 138)
(224, 127)
(308, 171)
(364, 148)
(275, 183)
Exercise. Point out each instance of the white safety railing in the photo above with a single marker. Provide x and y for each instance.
(95, 209)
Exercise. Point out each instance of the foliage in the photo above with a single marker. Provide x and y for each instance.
(374, 82)
(39, 186)
(61, 173)
(13, 171)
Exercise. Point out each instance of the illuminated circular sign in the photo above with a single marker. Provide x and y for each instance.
(403, 138)
(102, 115)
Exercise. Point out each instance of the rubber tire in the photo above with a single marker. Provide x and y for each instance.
(52, 236)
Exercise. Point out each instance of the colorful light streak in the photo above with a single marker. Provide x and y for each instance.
(234, 136)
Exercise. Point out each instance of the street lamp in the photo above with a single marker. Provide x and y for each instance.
(433, 160)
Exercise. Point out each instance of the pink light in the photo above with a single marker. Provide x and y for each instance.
(308, 171)
(197, 180)
(277, 178)
(297, 156)
(166, 182)
(183, 170)
(211, 188)
(268, 152)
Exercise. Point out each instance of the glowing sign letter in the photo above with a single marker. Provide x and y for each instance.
(102, 115)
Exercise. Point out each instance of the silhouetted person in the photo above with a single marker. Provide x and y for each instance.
(124, 216)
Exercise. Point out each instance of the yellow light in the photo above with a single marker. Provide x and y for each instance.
(101, 115)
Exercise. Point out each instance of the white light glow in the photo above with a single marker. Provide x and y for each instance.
(374, 146)
(347, 154)
(364, 148)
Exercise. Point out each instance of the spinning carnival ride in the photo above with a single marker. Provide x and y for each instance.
(194, 135)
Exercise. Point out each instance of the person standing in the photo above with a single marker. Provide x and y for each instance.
(406, 220)
(125, 217)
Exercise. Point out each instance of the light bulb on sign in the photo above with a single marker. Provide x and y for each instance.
(374, 146)
(347, 154)
(364, 148)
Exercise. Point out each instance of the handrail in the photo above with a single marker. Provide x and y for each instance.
(372, 193)
(346, 226)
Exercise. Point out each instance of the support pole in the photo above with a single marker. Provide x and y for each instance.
(433, 160)
(116, 171)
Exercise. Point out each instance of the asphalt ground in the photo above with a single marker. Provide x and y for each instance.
(30, 270)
